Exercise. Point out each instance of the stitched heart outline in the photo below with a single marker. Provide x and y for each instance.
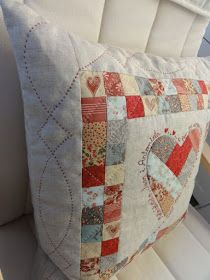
(170, 165)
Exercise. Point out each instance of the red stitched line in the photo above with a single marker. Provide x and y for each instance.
(54, 271)
(50, 114)
(46, 145)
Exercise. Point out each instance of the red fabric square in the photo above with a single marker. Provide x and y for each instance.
(203, 87)
(179, 156)
(112, 84)
(180, 86)
(90, 266)
(93, 176)
(112, 203)
(109, 247)
(135, 107)
(94, 109)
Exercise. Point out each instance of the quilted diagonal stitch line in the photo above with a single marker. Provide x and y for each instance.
(33, 28)
(39, 197)
(149, 70)
(50, 114)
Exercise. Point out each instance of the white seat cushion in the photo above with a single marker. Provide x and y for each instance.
(198, 227)
(184, 255)
(146, 267)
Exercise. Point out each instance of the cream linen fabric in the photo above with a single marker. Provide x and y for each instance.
(48, 61)
(153, 28)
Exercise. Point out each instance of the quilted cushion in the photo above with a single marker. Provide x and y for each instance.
(153, 28)
(114, 142)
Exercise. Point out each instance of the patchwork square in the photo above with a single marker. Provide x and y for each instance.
(145, 87)
(203, 87)
(93, 196)
(92, 84)
(93, 176)
(163, 147)
(112, 84)
(174, 103)
(135, 107)
(150, 105)
(115, 154)
(116, 107)
(112, 203)
(94, 143)
(109, 247)
(92, 215)
(163, 105)
(186, 170)
(117, 131)
(94, 109)
(205, 101)
(90, 267)
(185, 103)
(107, 262)
(193, 102)
(91, 233)
(196, 87)
(111, 230)
(114, 174)
(200, 103)
(90, 250)
(129, 84)
(169, 88)
(157, 86)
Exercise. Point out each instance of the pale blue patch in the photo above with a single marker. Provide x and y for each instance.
(93, 196)
(196, 86)
(161, 173)
(169, 87)
(163, 105)
(187, 168)
(115, 154)
(116, 108)
(91, 233)
(193, 102)
(144, 85)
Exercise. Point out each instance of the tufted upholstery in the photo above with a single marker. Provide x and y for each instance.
(163, 27)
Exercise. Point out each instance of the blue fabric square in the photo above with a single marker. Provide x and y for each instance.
(91, 233)
(115, 154)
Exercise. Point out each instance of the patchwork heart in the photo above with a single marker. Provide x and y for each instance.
(170, 165)
(93, 84)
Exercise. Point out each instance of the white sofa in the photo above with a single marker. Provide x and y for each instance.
(164, 27)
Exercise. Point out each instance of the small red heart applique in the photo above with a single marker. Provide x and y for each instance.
(93, 84)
